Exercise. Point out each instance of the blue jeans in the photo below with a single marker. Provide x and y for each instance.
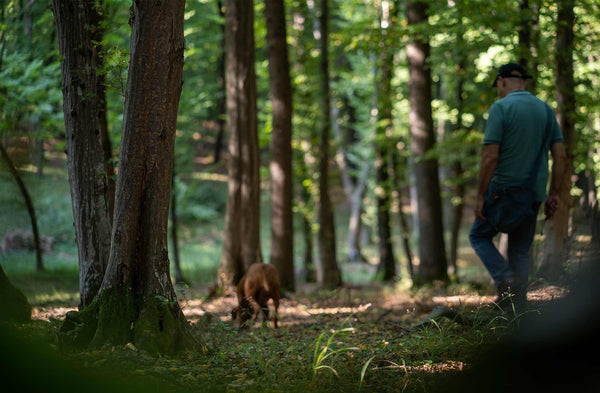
(519, 242)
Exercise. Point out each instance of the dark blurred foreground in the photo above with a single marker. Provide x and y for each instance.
(557, 350)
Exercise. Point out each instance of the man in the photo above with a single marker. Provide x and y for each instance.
(513, 138)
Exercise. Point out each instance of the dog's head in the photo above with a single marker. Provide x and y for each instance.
(243, 313)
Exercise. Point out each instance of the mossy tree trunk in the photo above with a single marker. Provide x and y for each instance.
(137, 302)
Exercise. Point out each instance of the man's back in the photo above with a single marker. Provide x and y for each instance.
(518, 123)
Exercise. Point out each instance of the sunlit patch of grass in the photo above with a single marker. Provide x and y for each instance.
(56, 298)
(57, 284)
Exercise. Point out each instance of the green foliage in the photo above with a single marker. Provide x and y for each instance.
(200, 201)
(32, 95)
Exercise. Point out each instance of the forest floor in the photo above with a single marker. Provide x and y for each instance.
(357, 338)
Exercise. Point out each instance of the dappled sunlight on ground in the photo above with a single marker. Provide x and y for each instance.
(367, 303)
(47, 314)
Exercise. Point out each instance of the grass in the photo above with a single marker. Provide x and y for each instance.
(329, 356)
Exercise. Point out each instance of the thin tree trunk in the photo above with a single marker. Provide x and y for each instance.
(241, 246)
(557, 229)
(457, 170)
(354, 185)
(328, 274)
(387, 260)
(307, 232)
(528, 30)
(30, 208)
(282, 229)
(432, 265)
(404, 227)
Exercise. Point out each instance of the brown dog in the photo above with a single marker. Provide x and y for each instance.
(254, 290)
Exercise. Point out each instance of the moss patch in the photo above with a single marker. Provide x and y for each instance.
(157, 330)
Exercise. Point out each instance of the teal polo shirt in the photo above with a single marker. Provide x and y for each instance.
(518, 122)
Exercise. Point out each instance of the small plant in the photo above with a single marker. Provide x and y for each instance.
(321, 354)
(364, 369)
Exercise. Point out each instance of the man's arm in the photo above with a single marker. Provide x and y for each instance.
(559, 162)
(489, 160)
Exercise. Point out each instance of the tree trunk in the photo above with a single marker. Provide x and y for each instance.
(528, 30)
(137, 302)
(432, 255)
(14, 305)
(404, 227)
(241, 246)
(387, 261)
(109, 168)
(457, 171)
(30, 208)
(309, 270)
(85, 156)
(328, 274)
(97, 35)
(282, 229)
(557, 229)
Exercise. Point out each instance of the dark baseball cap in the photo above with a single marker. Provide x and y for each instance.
(506, 71)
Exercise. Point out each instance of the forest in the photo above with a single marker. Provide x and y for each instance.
(152, 152)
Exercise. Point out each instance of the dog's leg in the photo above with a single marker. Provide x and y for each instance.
(255, 306)
(276, 304)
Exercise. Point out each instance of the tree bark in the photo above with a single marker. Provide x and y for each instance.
(328, 274)
(85, 156)
(282, 230)
(557, 229)
(387, 261)
(432, 265)
(97, 35)
(528, 30)
(457, 171)
(404, 227)
(137, 302)
(241, 246)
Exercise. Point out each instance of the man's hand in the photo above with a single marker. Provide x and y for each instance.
(551, 205)
(478, 208)
(559, 159)
(489, 160)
